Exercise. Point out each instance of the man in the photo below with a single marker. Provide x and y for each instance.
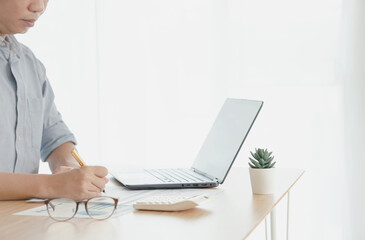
(30, 126)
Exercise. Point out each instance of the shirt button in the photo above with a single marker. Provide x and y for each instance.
(19, 138)
(19, 99)
(2, 44)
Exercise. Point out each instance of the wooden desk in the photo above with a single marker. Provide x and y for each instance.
(234, 214)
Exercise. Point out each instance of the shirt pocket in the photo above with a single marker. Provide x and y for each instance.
(35, 106)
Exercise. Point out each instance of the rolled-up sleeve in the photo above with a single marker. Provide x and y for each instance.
(55, 131)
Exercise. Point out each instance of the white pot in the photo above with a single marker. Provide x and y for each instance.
(262, 180)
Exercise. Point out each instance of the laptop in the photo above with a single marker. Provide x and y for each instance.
(214, 159)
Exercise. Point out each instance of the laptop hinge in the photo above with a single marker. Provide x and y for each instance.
(206, 175)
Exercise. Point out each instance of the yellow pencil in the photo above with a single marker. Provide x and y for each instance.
(77, 157)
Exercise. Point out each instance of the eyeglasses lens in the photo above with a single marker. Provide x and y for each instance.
(61, 209)
(100, 207)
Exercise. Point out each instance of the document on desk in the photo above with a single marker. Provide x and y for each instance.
(126, 199)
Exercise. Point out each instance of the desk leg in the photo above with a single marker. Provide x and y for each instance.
(266, 228)
(273, 223)
(287, 217)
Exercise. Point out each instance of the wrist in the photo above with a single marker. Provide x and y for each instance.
(45, 185)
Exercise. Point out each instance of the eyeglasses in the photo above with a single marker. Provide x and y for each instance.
(63, 209)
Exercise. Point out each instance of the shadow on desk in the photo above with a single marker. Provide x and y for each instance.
(191, 214)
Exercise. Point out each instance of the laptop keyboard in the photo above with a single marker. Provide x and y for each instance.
(171, 175)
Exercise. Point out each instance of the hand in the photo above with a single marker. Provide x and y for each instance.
(61, 169)
(78, 183)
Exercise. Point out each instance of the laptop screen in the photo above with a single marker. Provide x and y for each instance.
(226, 137)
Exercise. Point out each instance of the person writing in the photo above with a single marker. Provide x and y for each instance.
(31, 128)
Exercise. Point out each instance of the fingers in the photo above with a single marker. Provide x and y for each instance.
(99, 183)
(106, 180)
(88, 190)
(95, 189)
(88, 195)
(100, 171)
(96, 176)
(97, 170)
(93, 194)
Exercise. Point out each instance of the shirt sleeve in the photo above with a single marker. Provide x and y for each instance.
(55, 131)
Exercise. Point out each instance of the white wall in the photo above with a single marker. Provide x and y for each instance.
(140, 83)
(64, 39)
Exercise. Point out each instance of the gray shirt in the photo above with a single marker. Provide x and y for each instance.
(30, 125)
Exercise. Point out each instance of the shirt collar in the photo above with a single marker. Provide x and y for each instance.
(13, 43)
(1, 40)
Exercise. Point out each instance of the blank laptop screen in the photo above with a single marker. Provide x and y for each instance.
(225, 138)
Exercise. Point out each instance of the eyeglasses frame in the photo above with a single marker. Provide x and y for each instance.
(47, 202)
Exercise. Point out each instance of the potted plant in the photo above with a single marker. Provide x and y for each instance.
(262, 172)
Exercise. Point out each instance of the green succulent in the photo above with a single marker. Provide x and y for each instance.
(261, 159)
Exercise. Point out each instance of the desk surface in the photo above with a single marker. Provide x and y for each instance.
(233, 214)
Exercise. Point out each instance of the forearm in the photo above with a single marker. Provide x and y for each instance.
(62, 156)
(78, 183)
(22, 186)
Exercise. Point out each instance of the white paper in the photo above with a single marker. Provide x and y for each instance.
(126, 199)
